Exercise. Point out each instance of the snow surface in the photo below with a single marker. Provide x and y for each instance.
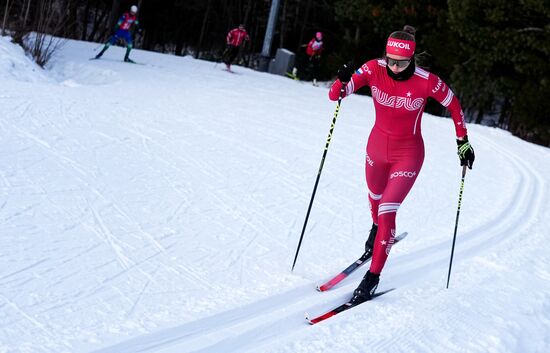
(157, 208)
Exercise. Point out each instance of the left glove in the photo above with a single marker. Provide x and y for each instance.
(466, 152)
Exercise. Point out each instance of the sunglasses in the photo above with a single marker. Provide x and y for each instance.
(400, 63)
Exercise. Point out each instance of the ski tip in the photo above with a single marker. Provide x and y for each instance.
(401, 236)
(377, 294)
(312, 321)
(321, 288)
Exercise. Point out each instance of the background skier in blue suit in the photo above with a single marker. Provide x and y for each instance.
(123, 31)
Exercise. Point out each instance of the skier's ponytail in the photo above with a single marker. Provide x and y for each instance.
(407, 33)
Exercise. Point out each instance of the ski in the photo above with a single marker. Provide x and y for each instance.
(292, 76)
(129, 61)
(229, 70)
(354, 266)
(346, 306)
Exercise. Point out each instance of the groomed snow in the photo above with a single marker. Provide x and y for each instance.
(157, 208)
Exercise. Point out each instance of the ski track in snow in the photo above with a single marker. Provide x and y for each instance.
(267, 320)
(177, 205)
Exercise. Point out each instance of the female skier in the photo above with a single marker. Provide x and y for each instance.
(395, 149)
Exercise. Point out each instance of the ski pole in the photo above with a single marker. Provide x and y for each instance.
(456, 222)
(319, 172)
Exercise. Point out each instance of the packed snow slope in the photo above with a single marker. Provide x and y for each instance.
(157, 208)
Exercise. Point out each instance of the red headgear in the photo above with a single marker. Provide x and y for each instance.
(401, 47)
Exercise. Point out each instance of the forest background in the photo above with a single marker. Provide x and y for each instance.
(494, 54)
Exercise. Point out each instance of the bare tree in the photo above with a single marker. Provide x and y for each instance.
(6, 12)
(41, 39)
(27, 10)
(99, 30)
(203, 28)
(114, 13)
(85, 20)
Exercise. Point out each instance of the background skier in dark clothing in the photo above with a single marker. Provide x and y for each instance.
(123, 31)
(234, 39)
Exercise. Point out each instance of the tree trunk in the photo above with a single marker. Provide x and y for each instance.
(505, 116)
(99, 17)
(27, 11)
(283, 25)
(479, 117)
(203, 29)
(6, 11)
(85, 20)
(247, 12)
(114, 13)
(179, 40)
(180, 33)
(302, 31)
(68, 9)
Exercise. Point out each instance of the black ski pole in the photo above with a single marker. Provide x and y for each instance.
(456, 222)
(319, 172)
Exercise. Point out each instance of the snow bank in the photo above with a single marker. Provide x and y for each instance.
(15, 65)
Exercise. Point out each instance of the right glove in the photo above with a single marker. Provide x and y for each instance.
(465, 152)
(344, 73)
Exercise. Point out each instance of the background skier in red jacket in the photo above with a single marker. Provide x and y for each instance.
(234, 39)
(395, 149)
(314, 50)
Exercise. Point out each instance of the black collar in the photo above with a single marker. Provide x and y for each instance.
(403, 75)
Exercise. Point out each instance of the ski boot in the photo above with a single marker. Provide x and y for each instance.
(369, 245)
(366, 288)
(127, 56)
(102, 51)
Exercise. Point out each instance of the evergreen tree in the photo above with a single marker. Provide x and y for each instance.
(506, 73)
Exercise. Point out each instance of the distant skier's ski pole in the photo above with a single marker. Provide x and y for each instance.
(319, 172)
(456, 222)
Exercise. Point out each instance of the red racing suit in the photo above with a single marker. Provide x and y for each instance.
(395, 149)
